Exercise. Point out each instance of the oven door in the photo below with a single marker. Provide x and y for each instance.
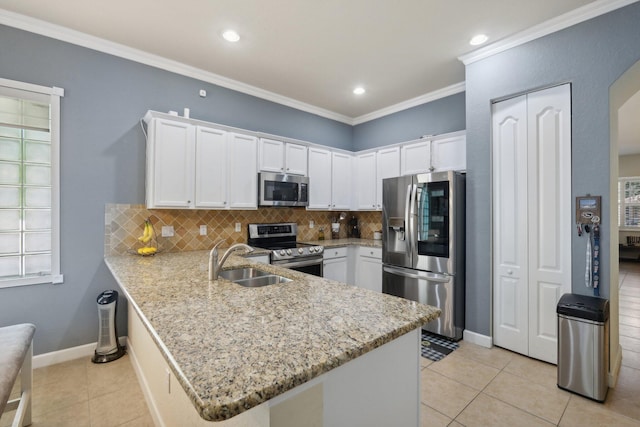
(307, 265)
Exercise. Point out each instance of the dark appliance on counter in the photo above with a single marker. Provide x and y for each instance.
(286, 252)
(281, 189)
(354, 228)
(423, 221)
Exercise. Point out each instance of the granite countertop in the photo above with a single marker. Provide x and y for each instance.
(336, 243)
(232, 348)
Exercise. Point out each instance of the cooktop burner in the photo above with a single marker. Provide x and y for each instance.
(281, 240)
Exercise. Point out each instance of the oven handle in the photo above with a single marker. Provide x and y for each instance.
(287, 264)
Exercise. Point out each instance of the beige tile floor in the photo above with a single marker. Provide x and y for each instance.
(473, 386)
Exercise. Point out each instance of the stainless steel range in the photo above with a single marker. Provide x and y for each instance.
(281, 240)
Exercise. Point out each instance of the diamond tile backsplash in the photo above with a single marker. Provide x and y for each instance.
(124, 224)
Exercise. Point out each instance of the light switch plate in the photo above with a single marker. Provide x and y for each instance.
(167, 231)
(311, 224)
(203, 230)
(238, 226)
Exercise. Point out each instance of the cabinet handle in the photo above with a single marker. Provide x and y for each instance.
(188, 201)
(510, 272)
(287, 168)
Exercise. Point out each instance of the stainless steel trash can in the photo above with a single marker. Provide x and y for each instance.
(583, 345)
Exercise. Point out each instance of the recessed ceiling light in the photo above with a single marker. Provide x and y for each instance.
(479, 39)
(359, 90)
(231, 36)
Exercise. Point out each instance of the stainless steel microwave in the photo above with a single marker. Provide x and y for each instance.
(281, 189)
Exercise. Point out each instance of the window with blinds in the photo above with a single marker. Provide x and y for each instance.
(629, 202)
(29, 236)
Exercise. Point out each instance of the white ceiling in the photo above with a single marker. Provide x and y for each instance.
(314, 52)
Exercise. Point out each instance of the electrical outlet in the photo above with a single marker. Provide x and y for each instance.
(238, 226)
(167, 231)
(312, 224)
(203, 230)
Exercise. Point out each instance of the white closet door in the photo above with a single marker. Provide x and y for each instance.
(550, 218)
(510, 289)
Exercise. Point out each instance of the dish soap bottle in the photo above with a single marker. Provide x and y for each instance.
(321, 234)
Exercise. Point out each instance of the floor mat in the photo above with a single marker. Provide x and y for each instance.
(435, 347)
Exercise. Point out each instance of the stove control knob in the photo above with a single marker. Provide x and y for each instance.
(288, 251)
(300, 250)
(312, 249)
(282, 252)
(317, 249)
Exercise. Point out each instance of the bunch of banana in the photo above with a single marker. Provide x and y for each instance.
(147, 250)
(146, 237)
(147, 234)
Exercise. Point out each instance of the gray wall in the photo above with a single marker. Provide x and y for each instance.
(102, 161)
(441, 116)
(591, 56)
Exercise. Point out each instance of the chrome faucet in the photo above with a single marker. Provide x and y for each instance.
(214, 266)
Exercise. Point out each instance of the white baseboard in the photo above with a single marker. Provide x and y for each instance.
(55, 357)
(476, 338)
(615, 365)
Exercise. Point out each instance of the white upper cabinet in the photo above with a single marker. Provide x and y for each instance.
(281, 157)
(319, 178)
(196, 167)
(296, 159)
(211, 168)
(242, 175)
(329, 180)
(415, 158)
(371, 169)
(170, 164)
(271, 154)
(340, 181)
(387, 166)
(449, 153)
(366, 191)
(434, 155)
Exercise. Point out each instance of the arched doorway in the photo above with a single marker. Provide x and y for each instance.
(623, 95)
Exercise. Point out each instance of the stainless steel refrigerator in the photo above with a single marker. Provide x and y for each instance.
(423, 220)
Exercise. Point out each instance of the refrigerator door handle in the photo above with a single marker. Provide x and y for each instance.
(416, 274)
(413, 214)
(407, 222)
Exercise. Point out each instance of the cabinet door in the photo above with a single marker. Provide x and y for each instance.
(211, 168)
(271, 155)
(296, 159)
(319, 179)
(335, 269)
(387, 166)
(170, 164)
(366, 181)
(449, 153)
(369, 270)
(243, 166)
(341, 181)
(415, 158)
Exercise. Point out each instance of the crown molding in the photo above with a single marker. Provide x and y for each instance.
(581, 14)
(78, 38)
(413, 102)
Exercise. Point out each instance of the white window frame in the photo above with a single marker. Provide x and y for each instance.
(54, 93)
(622, 204)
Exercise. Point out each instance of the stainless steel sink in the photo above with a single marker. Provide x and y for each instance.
(252, 277)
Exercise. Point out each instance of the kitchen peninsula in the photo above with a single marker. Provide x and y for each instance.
(310, 350)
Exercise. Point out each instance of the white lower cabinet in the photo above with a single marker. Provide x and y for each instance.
(335, 264)
(369, 268)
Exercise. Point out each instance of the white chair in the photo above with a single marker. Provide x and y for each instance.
(16, 355)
